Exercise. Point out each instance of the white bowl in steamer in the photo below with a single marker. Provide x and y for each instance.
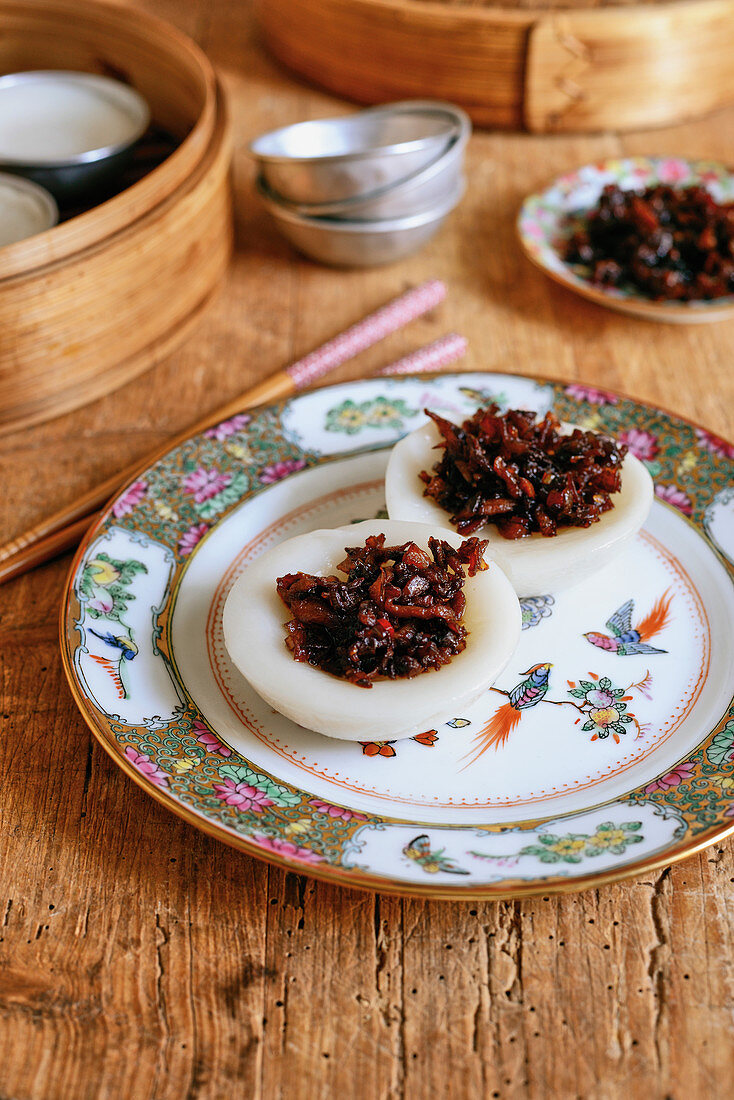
(25, 209)
(68, 131)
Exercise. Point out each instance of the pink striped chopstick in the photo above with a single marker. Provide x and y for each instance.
(447, 349)
(365, 333)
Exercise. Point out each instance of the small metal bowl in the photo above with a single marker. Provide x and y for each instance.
(332, 159)
(420, 191)
(361, 243)
(25, 209)
(83, 170)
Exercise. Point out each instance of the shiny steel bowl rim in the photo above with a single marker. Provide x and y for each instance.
(90, 156)
(381, 225)
(340, 207)
(457, 117)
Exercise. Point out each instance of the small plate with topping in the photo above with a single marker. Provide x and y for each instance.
(602, 747)
(648, 236)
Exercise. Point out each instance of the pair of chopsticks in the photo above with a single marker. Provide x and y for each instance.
(64, 529)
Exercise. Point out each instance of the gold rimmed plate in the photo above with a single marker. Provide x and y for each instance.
(624, 763)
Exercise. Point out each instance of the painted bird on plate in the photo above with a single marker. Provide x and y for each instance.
(626, 640)
(528, 693)
(127, 646)
(127, 649)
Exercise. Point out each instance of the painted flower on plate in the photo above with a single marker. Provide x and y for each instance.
(190, 538)
(286, 849)
(672, 495)
(714, 443)
(209, 740)
(377, 748)
(102, 603)
(129, 499)
(600, 697)
(642, 445)
(677, 775)
(591, 394)
(204, 484)
(336, 811)
(347, 417)
(228, 427)
(673, 171)
(270, 474)
(146, 766)
(603, 708)
(608, 838)
(568, 846)
(103, 571)
(242, 796)
(389, 414)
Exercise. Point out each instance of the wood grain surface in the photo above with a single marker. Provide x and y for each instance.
(140, 959)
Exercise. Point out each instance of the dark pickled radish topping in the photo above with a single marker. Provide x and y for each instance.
(521, 474)
(670, 243)
(398, 613)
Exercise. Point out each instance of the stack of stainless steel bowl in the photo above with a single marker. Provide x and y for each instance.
(367, 188)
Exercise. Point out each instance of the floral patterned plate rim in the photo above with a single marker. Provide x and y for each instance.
(630, 769)
(542, 225)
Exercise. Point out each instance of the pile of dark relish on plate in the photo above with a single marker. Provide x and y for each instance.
(398, 612)
(521, 475)
(669, 243)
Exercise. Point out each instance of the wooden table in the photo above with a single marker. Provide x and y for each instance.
(138, 958)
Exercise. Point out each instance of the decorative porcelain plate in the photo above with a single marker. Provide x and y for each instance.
(625, 763)
(545, 222)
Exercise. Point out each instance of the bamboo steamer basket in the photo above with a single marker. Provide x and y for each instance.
(89, 304)
(539, 65)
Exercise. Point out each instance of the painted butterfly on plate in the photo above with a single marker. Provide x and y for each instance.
(419, 849)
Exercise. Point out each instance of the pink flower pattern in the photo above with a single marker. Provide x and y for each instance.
(671, 495)
(209, 740)
(146, 766)
(270, 474)
(190, 538)
(714, 443)
(336, 811)
(125, 504)
(242, 795)
(642, 445)
(679, 774)
(286, 849)
(102, 603)
(590, 394)
(673, 171)
(205, 484)
(228, 427)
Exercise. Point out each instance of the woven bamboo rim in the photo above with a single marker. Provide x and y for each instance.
(563, 70)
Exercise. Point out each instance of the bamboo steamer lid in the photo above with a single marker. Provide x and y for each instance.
(539, 65)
